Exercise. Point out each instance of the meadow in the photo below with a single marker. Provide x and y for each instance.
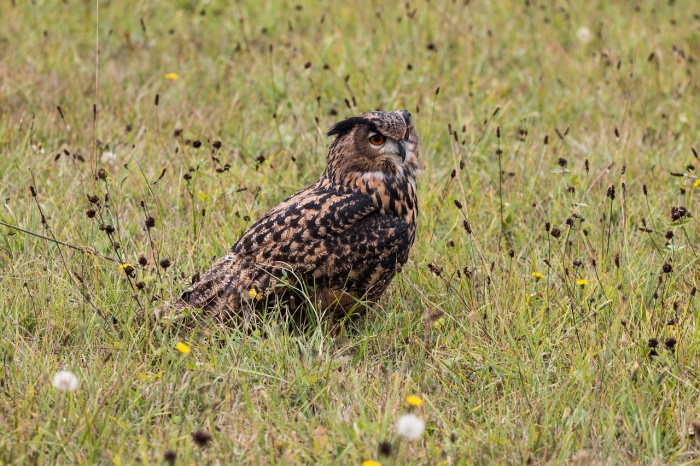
(548, 312)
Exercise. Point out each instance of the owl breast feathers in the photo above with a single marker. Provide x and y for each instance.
(340, 240)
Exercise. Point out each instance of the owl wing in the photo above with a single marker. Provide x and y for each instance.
(363, 258)
(297, 231)
(329, 239)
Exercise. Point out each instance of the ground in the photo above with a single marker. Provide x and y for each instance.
(549, 309)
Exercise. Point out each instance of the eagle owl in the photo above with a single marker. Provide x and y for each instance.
(333, 243)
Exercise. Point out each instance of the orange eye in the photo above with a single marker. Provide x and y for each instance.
(377, 139)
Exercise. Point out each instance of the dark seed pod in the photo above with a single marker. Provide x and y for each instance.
(670, 343)
(201, 438)
(611, 192)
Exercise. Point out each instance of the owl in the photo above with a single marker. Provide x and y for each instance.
(330, 245)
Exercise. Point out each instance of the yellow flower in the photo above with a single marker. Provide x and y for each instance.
(125, 266)
(414, 400)
(371, 463)
(582, 282)
(696, 184)
(253, 293)
(171, 76)
(183, 348)
(537, 275)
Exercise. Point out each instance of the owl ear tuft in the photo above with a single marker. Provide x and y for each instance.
(345, 126)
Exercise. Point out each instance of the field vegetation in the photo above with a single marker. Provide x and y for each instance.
(549, 310)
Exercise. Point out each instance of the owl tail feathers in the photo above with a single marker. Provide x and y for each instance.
(212, 296)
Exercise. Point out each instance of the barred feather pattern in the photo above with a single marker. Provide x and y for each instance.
(340, 240)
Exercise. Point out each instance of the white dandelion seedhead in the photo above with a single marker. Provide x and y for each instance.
(584, 35)
(108, 157)
(65, 381)
(410, 427)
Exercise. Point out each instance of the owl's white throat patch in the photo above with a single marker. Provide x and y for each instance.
(379, 176)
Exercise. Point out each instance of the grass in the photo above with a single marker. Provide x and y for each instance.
(586, 127)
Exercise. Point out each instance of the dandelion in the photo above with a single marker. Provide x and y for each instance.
(410, 427)
(537, 275)
(108, 157)
(171, 76)
(65, 381)
(581, 282)
(584, 35)
(371, 463)
(414, 400)
(696, 184)
(38, 147)
(253, 293)
(183, 348)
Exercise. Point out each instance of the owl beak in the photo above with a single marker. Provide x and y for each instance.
(402, 151)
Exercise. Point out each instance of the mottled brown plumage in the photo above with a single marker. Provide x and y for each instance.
(339, 240)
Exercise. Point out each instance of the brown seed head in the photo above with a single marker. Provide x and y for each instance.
(169, 457)
(201, 438)
(385, 448)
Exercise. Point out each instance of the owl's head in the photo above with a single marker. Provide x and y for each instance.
(384, 144)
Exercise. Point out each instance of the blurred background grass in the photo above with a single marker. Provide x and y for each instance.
(587, 95)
